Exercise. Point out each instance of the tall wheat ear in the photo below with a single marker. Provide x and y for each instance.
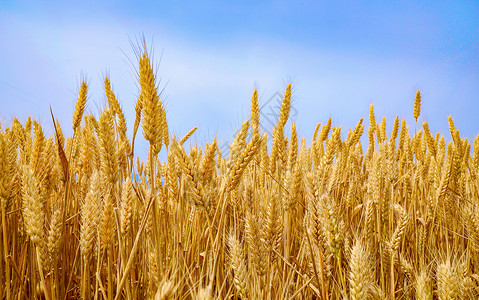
(150, 102)
(80, 106)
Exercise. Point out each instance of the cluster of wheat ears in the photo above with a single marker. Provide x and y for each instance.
(326, 221)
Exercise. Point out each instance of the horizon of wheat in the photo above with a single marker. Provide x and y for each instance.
(399, 220)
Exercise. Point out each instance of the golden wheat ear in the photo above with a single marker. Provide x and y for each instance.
(417, 105)
(61, 152)
(80, 106)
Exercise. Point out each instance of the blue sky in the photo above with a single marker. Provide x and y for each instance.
(341, 56)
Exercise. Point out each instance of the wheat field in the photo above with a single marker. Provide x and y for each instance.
(82, 217)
